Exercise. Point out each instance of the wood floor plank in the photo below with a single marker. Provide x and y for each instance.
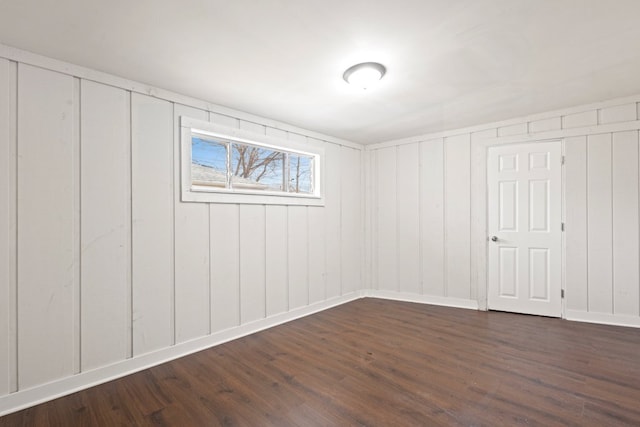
(380, 363)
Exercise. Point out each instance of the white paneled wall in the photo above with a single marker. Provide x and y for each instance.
(191, 251)
(48, 213)
(601, 188)
(252, 264)
(107, 265)
(385, 220)
(351, 219)
(576, 214)
(626, 253)
(224, 237)
(602, 226)
(422, 218)
(599, 224)
(103, 270)
(152, 198)
(332, 220)
(105, 224)
(408, 218)
(457, 207)
(431, 198)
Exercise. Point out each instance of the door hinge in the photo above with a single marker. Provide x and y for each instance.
(562, 160)
(562, 226)
(562, 293)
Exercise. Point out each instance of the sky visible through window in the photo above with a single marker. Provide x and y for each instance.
(261, 166)
(209, 153)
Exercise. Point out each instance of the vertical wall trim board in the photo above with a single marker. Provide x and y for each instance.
(78, 228)
(7, 244)
(340, 259)
(563, 219)
(209, 269)
(397, 225)
(287, 262)
(586, 180)
(611, 230)
(238, 209)
(374, 221)
(479, 223)
(13, 261)
(77, 220)
(421, 216)
(363, 280)
(130, 232)
(264, 249)
(375, 268)
(175, 189)
(306, 259)
(472, 266)
(445, 222)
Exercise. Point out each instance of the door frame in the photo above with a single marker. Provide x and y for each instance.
(480, 213)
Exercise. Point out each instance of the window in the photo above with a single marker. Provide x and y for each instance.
(227, 165)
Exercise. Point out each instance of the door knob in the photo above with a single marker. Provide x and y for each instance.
(494, 238)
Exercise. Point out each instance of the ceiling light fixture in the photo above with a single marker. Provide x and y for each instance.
(364, 75)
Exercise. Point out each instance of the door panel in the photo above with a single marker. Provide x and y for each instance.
(508, 272)
(508, 206)
(524, 202)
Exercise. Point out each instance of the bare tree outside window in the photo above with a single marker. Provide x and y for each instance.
(300, 174)
(258, 166)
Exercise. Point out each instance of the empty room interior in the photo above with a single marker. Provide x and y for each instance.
(279, 212)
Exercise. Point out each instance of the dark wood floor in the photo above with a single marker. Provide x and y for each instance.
(380, 363)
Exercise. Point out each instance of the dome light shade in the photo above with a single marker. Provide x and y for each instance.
(364, 75)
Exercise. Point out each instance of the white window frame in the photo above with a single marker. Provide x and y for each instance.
(191, 193)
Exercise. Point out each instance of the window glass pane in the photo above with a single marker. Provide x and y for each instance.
(208, 162)
(300, 174)
(256, 168)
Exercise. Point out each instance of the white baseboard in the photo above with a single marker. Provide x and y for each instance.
(603, 318)
(29, 397)
(423, 299)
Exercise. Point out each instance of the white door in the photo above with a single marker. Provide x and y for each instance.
(524, 223)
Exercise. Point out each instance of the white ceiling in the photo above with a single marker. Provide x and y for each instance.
(451, 63)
